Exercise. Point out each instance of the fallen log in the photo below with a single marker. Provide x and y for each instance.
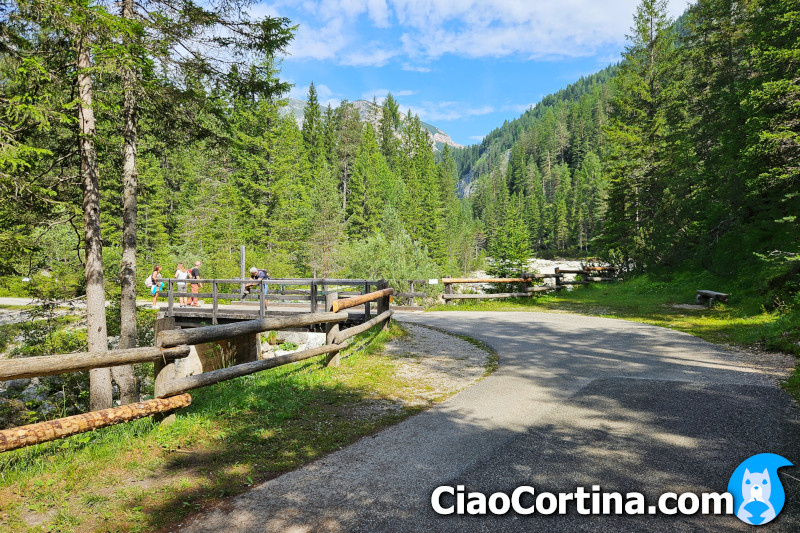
(347, 303)
(202, 335)
(48, 365)
(183, 385)
(19, 437)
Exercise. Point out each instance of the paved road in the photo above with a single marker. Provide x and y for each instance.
(576, 401)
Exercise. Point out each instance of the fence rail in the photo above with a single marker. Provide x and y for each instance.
(175, 344)
(525, 279)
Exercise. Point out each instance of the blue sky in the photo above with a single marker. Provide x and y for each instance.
(464, 66)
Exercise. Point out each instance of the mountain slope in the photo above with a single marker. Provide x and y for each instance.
(369, 113)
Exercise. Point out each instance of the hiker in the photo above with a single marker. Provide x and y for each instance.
(182, 274)
(195, 274)
(256, 274)
(156, 285)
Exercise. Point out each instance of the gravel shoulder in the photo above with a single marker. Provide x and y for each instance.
(436, 364)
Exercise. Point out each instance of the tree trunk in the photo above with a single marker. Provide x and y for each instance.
(124, 375)
(100, 379)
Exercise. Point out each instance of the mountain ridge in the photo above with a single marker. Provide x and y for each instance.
(372, 114)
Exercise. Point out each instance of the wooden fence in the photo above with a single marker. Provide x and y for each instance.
(525, 280)
(266, 290)
(174, 344)
(172, 394)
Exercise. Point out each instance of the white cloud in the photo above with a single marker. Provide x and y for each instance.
(325, 95)
(413, 68)
(373, 56)
(319, 43)
(476, 137)
(447, 111)
(345, 30)
(380, 94)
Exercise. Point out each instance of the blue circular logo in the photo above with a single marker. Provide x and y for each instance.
(758, 495)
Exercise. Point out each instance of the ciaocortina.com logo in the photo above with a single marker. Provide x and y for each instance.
(758, 494)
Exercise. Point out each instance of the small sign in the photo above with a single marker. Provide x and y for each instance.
(433, 281)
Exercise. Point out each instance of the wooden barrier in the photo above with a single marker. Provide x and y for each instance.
(601, 268)
(355, 330)
(48, 365)
(347, 303)
(182, 385)
(215, 333)
(11, 439)
(499, 294)
(448, 281)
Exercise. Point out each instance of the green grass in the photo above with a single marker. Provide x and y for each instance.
(142, 476)
(744, 322)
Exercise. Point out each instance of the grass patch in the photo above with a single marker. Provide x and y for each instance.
(142, 476)
(744, 322)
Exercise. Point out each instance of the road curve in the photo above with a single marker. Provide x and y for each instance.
(576, 401)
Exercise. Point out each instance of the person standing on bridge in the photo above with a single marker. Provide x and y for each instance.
(195, 274)
(157, 285)
(256, 274)
(182, 274)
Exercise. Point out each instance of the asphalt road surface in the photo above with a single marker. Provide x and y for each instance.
(576, 401)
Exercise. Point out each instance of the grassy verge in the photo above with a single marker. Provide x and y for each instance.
(744, 322)
(141, 476)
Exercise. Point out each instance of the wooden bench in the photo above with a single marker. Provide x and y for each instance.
(709, 297)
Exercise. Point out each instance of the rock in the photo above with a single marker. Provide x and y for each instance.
(46, 410)
(12, 413)
(34, 392)
(16, 386)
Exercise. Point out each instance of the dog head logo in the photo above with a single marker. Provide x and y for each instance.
(758, 495)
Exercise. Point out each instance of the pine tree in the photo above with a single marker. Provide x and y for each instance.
(637, 131)
(312, 125)
(327, 224)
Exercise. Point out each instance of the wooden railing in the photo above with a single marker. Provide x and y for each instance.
(525, 280)
(172, 394)
(264, 291)
(175, 344)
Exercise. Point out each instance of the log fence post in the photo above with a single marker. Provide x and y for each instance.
(170, 298)
(262, 298)
(448, 289)
(366, 305)
(383, 303)
(313, 296)
(557, 279)
(214, 301)
(163, 371)
(331, 330)
(411, 290)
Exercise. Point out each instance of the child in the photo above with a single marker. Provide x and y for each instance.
(182, 273)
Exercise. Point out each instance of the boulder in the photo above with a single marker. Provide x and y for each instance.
(15, 387)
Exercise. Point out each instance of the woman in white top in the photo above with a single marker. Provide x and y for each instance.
(182, 273)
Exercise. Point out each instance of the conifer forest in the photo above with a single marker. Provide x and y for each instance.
(155, 132)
